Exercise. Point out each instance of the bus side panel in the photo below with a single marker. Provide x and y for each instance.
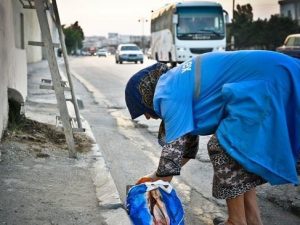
(162, 46)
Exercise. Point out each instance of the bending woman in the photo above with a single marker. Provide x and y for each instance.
(249, 101)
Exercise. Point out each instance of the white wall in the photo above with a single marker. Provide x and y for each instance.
(32, 33)
(13, 54)
(12, 61)
(4, 59)
(17, 78)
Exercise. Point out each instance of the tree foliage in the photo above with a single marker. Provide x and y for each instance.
(242, 25)
(279, 28)
(73, 37)
(259, 34)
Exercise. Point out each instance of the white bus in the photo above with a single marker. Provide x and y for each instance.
(182, 30)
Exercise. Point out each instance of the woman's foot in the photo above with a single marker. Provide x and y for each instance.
(219, 221)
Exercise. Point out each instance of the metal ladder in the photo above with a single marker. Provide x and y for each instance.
(59, 86)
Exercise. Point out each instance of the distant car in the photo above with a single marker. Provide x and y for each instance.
(291, 46)
(85, 53)
(102, 53)
(129, 53)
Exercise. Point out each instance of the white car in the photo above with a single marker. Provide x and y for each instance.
(129, 53)
(291, 46)
(102, 52)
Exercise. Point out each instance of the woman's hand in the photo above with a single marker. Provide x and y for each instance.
(152, 177)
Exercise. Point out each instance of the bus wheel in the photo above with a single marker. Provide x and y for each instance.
(173, 64)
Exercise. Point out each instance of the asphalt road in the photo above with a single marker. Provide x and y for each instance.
(130, 147)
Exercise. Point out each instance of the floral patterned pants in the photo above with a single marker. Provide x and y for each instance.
(230, 178)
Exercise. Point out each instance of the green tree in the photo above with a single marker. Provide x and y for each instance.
(242, 26)
(73, 37)
(259, 34)
(277, 29)
(243, 14)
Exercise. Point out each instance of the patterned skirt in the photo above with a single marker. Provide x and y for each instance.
(230, 178)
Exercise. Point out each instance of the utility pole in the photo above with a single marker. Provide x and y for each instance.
(233, 7)
(143, 21)
(232, 37)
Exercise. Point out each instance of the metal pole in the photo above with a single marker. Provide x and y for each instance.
(65, 56)
(143, 34)
(143, 20)
(232, 37)
(233, 7)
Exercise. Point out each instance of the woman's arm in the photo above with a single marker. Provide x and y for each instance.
(174, 155)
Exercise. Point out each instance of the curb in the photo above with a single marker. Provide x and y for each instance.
(106, 191)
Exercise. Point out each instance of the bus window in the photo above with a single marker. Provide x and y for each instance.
(200, 23)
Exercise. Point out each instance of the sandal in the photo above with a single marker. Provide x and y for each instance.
(219, 221)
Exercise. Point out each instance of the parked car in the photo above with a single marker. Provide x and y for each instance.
(102, 53)
(291, 46)
(129, 53)
(85, 53)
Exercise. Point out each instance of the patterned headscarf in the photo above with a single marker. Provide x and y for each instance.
(140, 89)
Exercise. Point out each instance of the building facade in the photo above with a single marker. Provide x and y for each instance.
(17, 27)
(291, 9)
(114, 39)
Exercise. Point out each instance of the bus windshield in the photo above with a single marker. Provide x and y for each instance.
(200, 23)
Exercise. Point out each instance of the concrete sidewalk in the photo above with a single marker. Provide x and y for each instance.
(39, 184)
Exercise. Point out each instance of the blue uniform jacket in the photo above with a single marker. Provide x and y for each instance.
(250, 99)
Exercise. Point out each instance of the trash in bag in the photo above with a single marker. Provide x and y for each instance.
(154, 203)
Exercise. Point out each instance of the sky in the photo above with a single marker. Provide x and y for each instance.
(100, 17)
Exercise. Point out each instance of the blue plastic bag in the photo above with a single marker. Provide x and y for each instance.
(154, 203)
